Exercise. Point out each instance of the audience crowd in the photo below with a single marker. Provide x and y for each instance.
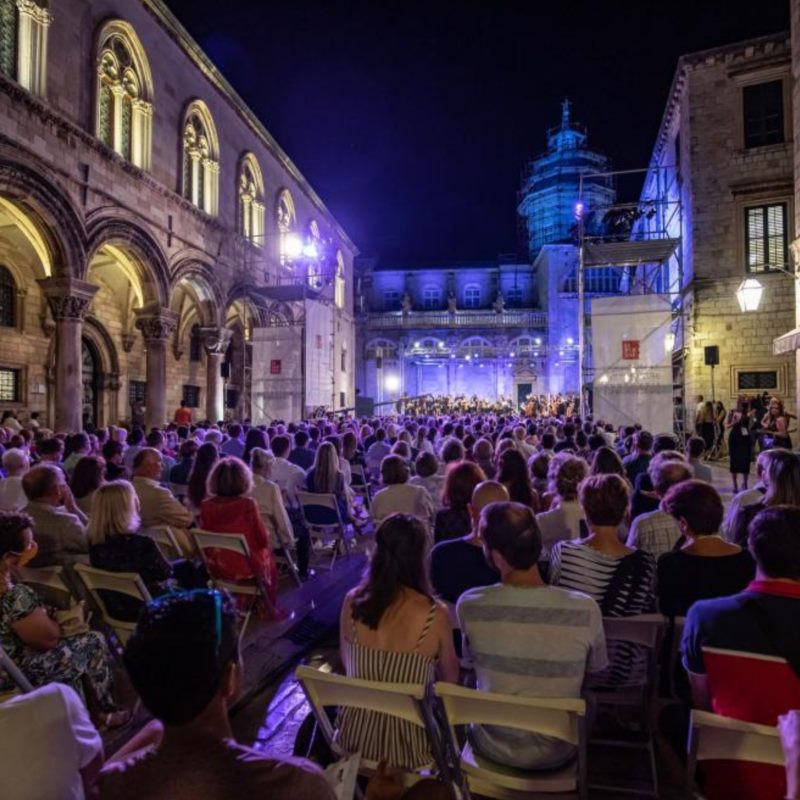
(501, 543)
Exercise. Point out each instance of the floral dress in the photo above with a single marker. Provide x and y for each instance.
(73, 659)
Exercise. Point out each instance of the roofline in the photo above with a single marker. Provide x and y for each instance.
(697, 58)
(184, 40)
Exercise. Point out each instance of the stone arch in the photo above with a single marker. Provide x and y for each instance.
(199, 274)
(56, 230)
(242, 292)
(106, 349)
(151, 264)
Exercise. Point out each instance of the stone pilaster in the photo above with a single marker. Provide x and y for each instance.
(156, 326)
(69, 300)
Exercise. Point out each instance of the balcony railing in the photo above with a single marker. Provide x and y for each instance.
(460, 319)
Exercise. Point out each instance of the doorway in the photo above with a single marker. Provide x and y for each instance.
(91, 383)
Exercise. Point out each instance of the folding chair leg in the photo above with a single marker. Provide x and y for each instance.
(247, 620)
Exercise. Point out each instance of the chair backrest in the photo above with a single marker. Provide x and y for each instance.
(324, 689)
(319, 510)
(713, 737)
(163, 536)
(51, 579)
(8, 666)
(550, 716)
(126, 583)
(209, 540)
(644, 630)
(359, 477)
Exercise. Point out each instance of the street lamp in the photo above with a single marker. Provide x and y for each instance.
(749, 294)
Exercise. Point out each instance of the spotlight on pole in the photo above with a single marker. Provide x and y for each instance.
(311, 251)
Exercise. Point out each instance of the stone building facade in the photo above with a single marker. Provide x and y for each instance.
(725, 147)
(148, 222)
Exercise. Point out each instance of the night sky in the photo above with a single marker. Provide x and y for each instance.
(414, 121)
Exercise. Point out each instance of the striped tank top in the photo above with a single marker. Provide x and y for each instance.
(379, 736)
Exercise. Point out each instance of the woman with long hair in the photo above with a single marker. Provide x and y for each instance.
(513, 474)
(115, 546)
(207, 456)
(775, 425)
(454, 521)
(325, 477)
(739, 424)
(255, 438)
(87, 478)
(392, 628)
(606, 461)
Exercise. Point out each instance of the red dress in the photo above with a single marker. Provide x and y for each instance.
(240, 515)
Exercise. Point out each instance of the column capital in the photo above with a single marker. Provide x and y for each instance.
(215, 339)
(68, 298)
(156, 324)
(34, 11)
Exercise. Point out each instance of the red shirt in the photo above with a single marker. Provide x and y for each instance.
(183, 416)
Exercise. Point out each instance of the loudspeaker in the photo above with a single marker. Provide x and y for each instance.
(225, 370)
(712, 355)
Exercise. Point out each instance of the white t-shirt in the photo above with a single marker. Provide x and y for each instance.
(47, 739)
(12, 496)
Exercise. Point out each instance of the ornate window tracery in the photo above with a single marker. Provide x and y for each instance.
(200, 175)
(251, 201)
(286, 219)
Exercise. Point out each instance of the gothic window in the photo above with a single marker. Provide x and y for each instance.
(476, 346)
(137, 392)
(431, 298)
(23, 44)
(195, 344)
(391, 300)
(191, 396)
(124, 95)
(286, 218)
(10, 385)
(766, 237)
(514, 297)
(472, 296)
(339, 289)
(200, 174)
(8, 299)
(251, 201)
(763, 114)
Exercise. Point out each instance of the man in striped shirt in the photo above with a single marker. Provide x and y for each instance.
(525, 637)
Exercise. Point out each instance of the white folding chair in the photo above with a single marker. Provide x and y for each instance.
(645, 631)
(321, 516)
(10, 668)
(51, 582)
(126, 583)
(165, 539)
(558, 718)
(284, 551)
(234, 543)
(405, 701)
(360, 485)
(715, 738)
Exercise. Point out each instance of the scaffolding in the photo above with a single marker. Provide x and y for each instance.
(642, 241)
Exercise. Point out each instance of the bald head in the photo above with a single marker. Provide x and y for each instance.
(147, 463)
(668, 473)
(483, 494)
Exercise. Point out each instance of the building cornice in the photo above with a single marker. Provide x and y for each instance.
(175, 30)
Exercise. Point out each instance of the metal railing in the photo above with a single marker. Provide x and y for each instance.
(460, 319)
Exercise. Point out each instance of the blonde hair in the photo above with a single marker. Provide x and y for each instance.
(261, 458)
(326, 469)
(115, 510)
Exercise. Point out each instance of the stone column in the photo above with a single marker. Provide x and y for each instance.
(69, 301)
(156, 325)
(215, 342)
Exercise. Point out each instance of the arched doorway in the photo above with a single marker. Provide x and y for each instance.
(91, 383)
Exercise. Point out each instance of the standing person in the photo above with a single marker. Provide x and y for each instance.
(393, 628)
(719, 428)
(699, 409)
(707, 431)
(775, 424)
(740, 442)
(183, 415)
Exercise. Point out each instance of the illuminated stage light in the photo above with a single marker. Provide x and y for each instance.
(311, 251)
(570, 340)
(468, 357)
(441, 345)
(511, 355)
(293, 245)
(537, 341)
(392, 383)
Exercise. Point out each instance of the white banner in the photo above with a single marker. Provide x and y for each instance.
(319, 356)
(277, 377)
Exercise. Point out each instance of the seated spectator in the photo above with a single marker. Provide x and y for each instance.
(398, 495)
(197, 488)
(565, 518)
(525, 450)
(157, 506)
(34, 640)
(741, 652)
(453, 520)
(620, 579)
(233, 445)
(568, 442)
(548, 444)
(87, 478)
(64, 763)
(113, 452)
(483, 455)
(657, 532)
(300, 454)
(695, 448)
(391, 625)
(57, 520)
(10, 422)
(157, 441)
(325, 477)
(606, 461)
(255, 438)
(781, 478)
(350, 450)
(664, 446)
(230, 509)
(377, 451)
(184, 662)
(180, 473)
(451, 453)
(288, 476)
(513, 474)
(426, 467)
(706, 565)
(460, 564)
(12, 495)
(645, 499)
(538, 466)
(638, 461)
(77, 446)
(747, 497)
(526, 638)
(135, 444)
(789, 729)
(115, 546)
